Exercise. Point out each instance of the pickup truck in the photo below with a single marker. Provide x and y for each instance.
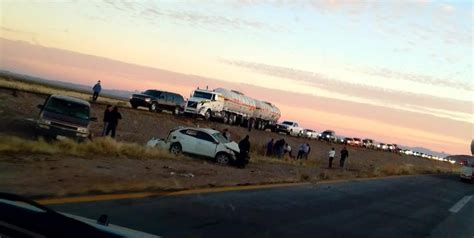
(289, 128)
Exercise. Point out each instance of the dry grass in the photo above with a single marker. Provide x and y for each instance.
(45, 89)
(104, 147)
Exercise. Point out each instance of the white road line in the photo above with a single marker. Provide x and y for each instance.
(459, 205)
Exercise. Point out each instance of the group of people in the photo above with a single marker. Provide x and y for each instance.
(344, 154)
(111, 113)
(111, 119)
(281, 149)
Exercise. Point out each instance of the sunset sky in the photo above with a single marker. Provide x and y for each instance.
(395, 71)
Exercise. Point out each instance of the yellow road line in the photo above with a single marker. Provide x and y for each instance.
(232, 188)
(107, 197)
(93, 198)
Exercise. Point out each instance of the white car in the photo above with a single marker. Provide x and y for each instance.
(467, 171)
(199, 141)
(310, 134)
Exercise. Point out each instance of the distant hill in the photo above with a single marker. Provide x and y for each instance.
(425, 150)
(121, 94)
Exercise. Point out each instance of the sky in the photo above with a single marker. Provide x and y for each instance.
(395, 71)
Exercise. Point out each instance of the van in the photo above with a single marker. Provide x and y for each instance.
(64, 117)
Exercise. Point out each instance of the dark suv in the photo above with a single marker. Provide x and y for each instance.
(64, 116)
(156, 101)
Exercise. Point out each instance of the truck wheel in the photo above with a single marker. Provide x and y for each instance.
(153, 107)
(207, 115)
(232, 119)
(225, 118)
(176, 148)
(176, 111)
(223, 158)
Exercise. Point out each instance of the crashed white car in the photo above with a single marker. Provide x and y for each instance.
(199, 141)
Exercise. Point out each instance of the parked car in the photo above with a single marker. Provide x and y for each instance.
(199, 141)
(64, 117)
(328, 135)
(338, 139)
(289, 128)
(357, 141)
(382, 146)
(156, 101)
(368, 143)
(310, 134)
(348, 141)
(467, 171)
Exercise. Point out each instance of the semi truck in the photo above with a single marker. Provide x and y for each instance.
(231, 107)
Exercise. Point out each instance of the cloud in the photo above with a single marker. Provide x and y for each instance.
(443, 107)
(193, 18)
(33, 36)
(446, 8)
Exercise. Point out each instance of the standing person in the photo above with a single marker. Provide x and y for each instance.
(301, 151)
(251, 121)
(106, 120)
(114, 117)
(332, 154)
(269, 150)
(96, 89)
(344, 155)
(306, 151)
(227, 134)
(244, 147)
(288, 150)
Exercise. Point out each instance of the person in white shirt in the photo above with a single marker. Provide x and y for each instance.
(332, 154)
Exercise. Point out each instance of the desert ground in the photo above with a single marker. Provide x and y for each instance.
(40, 169)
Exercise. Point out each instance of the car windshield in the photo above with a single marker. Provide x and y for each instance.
(152, 93)
(220, 137)
(199, 94)
(68, 108)
(287, 123)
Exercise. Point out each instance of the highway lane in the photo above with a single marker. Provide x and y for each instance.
(396, 207)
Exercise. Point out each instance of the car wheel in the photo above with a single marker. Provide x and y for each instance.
(176, 148)
(223, 158)
(134, 106)
(153, 107)
(207, 115)
(176, 111)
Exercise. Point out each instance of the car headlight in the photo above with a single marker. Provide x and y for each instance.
(44, 121)
(82, 130)
(147, 99)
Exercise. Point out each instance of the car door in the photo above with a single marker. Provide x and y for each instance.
(188, 140)
(205, 145)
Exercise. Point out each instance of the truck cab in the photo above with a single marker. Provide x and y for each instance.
(204, 103)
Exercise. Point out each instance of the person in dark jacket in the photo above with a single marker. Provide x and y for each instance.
(106, 120)
(114, 117)
(244, 147)
(269, 151)
(96, 90)
(344, 155)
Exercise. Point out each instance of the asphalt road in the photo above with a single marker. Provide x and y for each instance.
(396, 207)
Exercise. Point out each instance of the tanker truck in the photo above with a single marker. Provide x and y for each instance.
(231, 107)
